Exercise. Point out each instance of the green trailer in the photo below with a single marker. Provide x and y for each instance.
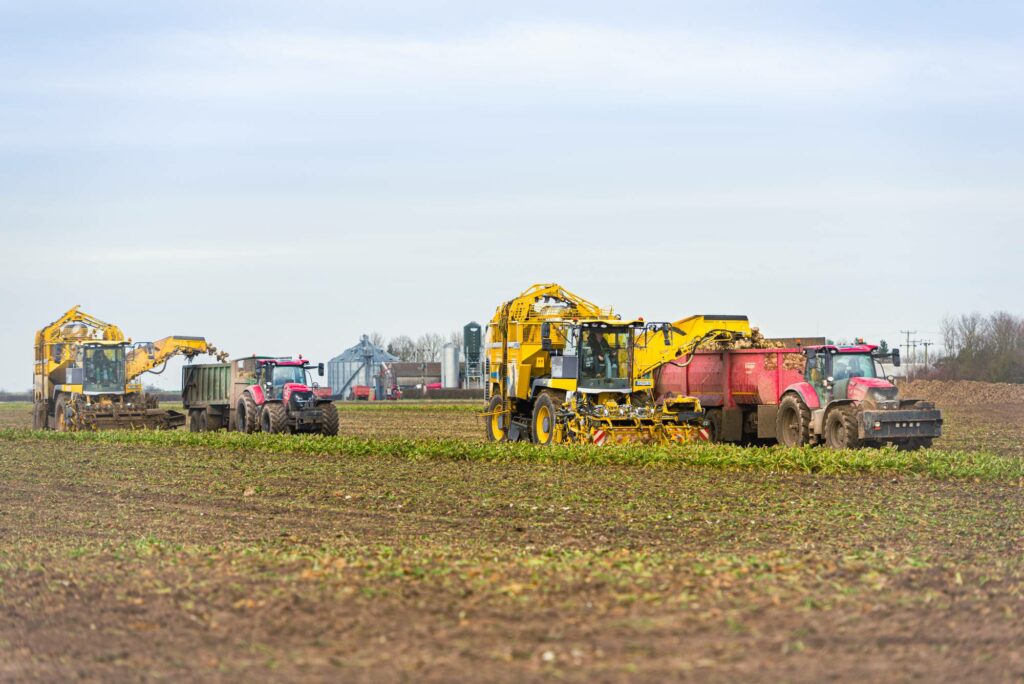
(206, 395)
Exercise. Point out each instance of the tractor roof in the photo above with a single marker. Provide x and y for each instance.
(847, 349)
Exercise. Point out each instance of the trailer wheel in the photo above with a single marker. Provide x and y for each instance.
(841, 429)
(246, 418)
(793, 422)
(330, 424)
(204, 422)
(496, 419)
(273, 418)
(714, 428)
(542, 423)
(193, 420)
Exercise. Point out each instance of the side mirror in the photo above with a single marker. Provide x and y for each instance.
(320, 370)
(896, 357)
(545, 337)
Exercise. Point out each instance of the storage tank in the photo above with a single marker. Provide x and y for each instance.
(471, 342)
(450, 366)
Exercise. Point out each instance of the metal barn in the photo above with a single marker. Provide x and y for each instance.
(359, 365)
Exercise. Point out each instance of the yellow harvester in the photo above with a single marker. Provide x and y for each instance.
(563, 370)
(86, 375)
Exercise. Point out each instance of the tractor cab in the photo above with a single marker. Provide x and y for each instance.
(278, 377)
(848, 372)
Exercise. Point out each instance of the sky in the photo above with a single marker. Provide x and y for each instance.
(284, 177)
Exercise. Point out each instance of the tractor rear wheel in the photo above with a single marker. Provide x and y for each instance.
(841, 429)
(793, 422)
(542, 423)
(273, 418)
(496, 420)
(245, 421)
(329, 419)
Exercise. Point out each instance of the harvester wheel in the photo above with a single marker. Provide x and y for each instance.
(245, 421)
(39, 416)
(496, 419)
(841, 429)
(329, 424)
(273, 418)
(542, 424)
(60, 416)
(793, 423)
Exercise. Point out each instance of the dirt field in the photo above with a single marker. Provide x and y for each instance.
(120, 562)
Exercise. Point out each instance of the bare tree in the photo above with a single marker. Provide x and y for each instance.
(429, 346)
(376, 339)
(403, 347)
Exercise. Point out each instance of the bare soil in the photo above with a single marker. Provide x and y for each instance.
(121, 563)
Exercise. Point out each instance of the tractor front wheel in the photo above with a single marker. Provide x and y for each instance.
(793, 422)
(273, 418)
(841, 429)
(329, 421)
(496, 420)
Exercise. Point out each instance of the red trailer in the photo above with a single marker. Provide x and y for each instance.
(836, 395)
(740, 389)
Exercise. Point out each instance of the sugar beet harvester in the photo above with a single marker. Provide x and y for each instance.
(563, 370)
(86, 371)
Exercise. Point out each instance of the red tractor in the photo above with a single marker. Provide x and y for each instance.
(277, 395)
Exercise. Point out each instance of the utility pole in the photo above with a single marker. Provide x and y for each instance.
(926, 344)
(908, 333)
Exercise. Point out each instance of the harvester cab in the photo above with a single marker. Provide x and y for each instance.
(100, 368)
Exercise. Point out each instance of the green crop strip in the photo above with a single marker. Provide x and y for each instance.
(926, 462)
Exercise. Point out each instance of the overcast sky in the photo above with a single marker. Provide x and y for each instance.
(281, 177)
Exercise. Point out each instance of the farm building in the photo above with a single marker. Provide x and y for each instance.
(361, 366)
(410, 374)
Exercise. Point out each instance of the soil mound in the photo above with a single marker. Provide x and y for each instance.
(963, 392)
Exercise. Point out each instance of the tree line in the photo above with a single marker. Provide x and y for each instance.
(424, 348)
(979, 347)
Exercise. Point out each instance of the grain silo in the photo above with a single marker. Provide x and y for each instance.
(358, 366)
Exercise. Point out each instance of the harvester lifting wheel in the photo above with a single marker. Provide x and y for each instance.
(273, 418)
(542, 426)
(841, 429)
(246, 419)
(329, 426)
(496, 420)
(793, 423)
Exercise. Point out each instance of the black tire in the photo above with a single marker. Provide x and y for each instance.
(915, 443)
(841, 429)
(543, 419)
(714, 426)
(39, 416)
(793, 422)
(273, 418)
(60, 422)
(330, 422)
(193, 420)
(245, 421)
(496, 428)
(204, 421)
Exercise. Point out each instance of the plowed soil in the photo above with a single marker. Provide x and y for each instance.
(122, 563)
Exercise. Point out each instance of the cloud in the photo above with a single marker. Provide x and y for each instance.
(552, 62)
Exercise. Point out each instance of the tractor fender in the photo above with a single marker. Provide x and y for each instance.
(256, 392)
(805, 392)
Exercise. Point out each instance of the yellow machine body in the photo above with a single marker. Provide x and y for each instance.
(564, 370)
(86, 374)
